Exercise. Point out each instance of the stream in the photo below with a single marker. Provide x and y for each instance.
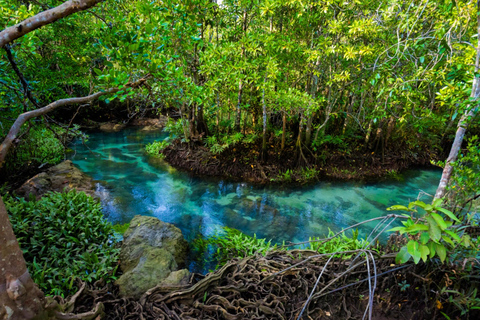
(134, 183)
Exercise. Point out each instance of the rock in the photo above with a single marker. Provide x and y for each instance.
(62, 177)
(151, 253)
(150, 123)
(111, 126)
(179, 277)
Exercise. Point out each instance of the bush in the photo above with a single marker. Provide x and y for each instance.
(63, 236)
(39, 145)
(156, 147)
(231, 243)
(338, 244)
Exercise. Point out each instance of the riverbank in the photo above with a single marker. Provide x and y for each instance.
(242, 163)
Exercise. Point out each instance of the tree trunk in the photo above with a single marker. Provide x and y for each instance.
(284, 128)
(264, 139)
(239, 110)
(463, 123)
(20, 298)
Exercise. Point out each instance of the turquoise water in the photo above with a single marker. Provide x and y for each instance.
(131, 183)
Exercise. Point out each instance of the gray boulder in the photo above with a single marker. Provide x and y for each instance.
(151, 254)
(62, 177)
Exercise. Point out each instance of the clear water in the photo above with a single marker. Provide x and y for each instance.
(132, 183)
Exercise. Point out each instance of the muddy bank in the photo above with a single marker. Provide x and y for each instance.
(242, 162)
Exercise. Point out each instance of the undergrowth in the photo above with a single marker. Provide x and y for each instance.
(231, 243)
(63, 236)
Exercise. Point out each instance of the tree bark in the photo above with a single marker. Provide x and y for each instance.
(264, 133)
(44, 18)
(20, 298)
(239, 110)
(463, 123)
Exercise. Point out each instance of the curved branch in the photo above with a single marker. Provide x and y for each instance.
(44, 18)
(24, 117)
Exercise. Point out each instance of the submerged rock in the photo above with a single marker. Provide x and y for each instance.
(151, 254)
(62, 177)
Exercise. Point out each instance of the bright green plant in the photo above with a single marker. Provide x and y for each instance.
(287, 175)
(432, 235)
(338, 244)
(155, 148)
(309, 173)
(231, 243)
(64, 236)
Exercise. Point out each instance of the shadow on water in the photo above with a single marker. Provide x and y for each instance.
(135, 183)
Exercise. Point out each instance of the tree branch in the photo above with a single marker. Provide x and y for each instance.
(24, 83)
(24, 117)
(44, 18)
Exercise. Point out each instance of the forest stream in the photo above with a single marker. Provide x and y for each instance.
(133, 183)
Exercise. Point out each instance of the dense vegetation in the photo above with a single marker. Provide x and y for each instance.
(302, 84)
(64, 237)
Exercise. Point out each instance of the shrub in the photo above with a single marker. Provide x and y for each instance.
(63, 236)
(231, 243)
(156, 147)
(39, 145)
(338, 244)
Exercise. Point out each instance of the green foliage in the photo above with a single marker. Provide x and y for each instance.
(463, 185)
(404, 285)
(40, 145)
(309, 174)
(121, 228)
(174, 127)
(338, 244)
(230, 243)
(155, 148)
(63, 236)
(435, 234)
(287, 175)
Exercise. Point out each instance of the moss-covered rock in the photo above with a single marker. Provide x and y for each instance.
(152, 251)
(62, 177)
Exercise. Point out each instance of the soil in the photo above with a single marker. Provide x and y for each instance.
(242, 162)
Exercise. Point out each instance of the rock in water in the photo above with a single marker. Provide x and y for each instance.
(151, 254)
(62, 177)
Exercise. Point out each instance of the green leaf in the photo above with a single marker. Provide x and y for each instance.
(441, 251)
(402, 255)
(439, 220)
(448, 213)
(424, 251)
(448, 240)
(401, 229)
(433, 229)
(432, 246)
(437, 202)
(416, 227)
(452, 234)
(412, 247)
(417, 203)
(424, 238)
